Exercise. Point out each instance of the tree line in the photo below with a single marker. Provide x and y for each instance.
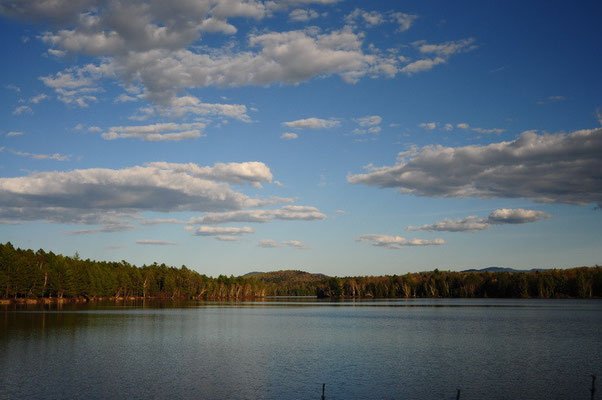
(582, 282)
(25, 274)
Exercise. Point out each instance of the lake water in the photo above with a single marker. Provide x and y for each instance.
(285, 348)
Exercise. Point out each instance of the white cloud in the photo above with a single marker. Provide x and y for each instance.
(422, 65)
(156, 132)
(252, 172)
(290, 213)
(55, 156)
(371, 120)
(286, 57)
(289, 136)
(220, 230)
(446, 49)
(13, 87)
(154, 45)
(100, 196)
(38, 98)
(313, 123)
(429, 126)
(153, 242)
(296, 244)
(473, 223)
(301, 15)
(268, 243)
(340, 212)
(124, 98)
(94, 129)
(448, 127)
(368, 124)
(22, 110)
(404, 20)
(370, 18)
(462, 126)
(120, 227)
(440, 54)
(228, 238)
(492, 130)
(79, 84)
(14, 133)
(557, 168)
(469, 224)
(184, 105)
(397, 242)
(516, 216)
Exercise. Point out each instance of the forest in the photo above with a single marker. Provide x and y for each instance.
(28, 274)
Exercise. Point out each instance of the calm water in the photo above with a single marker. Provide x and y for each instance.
(286, 348)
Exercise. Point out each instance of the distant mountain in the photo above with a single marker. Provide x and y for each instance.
(503, 269)
(285, 276)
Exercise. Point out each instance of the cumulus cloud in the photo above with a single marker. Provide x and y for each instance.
(152, 242)
(252, 172)
(156, 132)
(368, 124)
(397, 242)
(185, 105)
(404, 20)
(371, 120)
(473, 223)
(154, 45)
(14, 133)
(554, 168)
(78, 85)
(287, 57)
(102, 196)
(289, 136)
(369, 18)
(516, 216)
(313, 123)
(301, 15)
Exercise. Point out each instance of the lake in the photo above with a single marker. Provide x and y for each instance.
(285, 348)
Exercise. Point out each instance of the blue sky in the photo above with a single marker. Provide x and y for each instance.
(340, 137)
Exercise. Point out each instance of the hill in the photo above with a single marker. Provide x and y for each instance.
(503, 269)
(290, 276)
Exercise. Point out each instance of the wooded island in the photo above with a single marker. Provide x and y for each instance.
(39, 276)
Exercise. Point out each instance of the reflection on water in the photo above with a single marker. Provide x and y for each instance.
(285, 348)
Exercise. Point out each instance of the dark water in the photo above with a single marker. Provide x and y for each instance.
(286, 348)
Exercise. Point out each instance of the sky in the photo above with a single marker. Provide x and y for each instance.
(341, 137)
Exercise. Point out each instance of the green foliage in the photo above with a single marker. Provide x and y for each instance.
(25, 274)
(583, 282)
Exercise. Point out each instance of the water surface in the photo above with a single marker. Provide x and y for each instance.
(285, 348)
